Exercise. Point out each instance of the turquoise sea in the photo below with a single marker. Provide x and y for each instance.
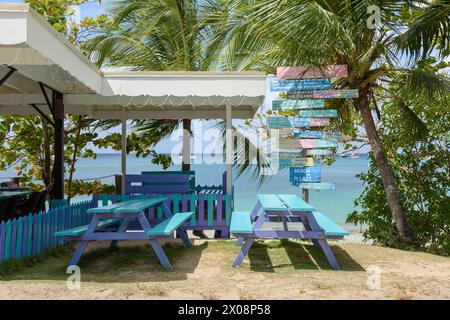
(336, 204)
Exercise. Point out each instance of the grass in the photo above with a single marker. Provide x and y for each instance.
(273, 269)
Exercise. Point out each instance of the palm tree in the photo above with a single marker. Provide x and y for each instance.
(323, 32)
(165, 35)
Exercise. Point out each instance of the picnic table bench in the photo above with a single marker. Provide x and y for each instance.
(290, 208)
(119, 215)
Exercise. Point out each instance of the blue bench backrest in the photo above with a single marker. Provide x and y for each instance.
(157, 183)
(191, 174)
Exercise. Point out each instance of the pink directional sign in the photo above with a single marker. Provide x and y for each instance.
(292, 73)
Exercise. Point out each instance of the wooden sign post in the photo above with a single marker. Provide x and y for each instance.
(306, 89)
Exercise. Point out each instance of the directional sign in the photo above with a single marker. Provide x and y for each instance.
(324, 186)
(298, 104)
(304, 174)
(325, 113)
(318, 135)
(319, 152)
(302, 144)
(323, 94)
(284, 122)
(289, 159)
(292, 73)
(299, 85)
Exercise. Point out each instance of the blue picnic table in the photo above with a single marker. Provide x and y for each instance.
(112, 221)
(290, 208)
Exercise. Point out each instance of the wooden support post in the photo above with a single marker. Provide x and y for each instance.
(124, 155)
(57, 191)
(229, 148)
(118, 183)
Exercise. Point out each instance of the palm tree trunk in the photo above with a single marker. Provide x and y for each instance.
(186, 165)
(390, 186)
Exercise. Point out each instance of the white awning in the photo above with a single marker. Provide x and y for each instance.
(40, 54)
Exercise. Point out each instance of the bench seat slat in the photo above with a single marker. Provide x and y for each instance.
(330, 227)
(167, 227)
(78, 231)
(241, 222)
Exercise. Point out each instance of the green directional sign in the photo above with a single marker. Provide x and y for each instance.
(319, 186)
(298, 104)
(319, 152)
(324, 113)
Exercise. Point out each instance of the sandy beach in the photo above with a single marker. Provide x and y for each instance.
(273, 270)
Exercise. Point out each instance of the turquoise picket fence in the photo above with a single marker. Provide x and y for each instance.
(30, 235)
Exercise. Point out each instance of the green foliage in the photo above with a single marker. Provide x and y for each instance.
(420, 160)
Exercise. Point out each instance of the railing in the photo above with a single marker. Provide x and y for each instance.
(32, 234)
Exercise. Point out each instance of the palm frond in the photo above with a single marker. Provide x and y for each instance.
(429, 30)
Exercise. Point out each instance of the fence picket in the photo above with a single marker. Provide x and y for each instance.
(8, 240)
(2, 240)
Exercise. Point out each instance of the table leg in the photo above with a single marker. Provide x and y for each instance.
(160, 254)
(308, 228)
(322, 242)
(241, 255)
(285, 226)
(84, 243)
(122, 228)
(329, 254)
(153, 242)
(78, 253)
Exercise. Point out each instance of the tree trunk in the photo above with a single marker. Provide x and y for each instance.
(390, 186)
(186, 165)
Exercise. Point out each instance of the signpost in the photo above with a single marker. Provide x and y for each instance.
(304, 174)
(324, 113)
(318, 135)
(284, 122)
(319, 152)
(320, 186)
(298, 104)
(299, 85)
(293, 144)
(292, 73)
(323, 94)
(305, 89)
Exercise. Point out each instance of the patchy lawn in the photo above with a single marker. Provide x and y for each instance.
(273, 270)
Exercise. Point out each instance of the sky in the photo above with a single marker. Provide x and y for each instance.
(168, 145)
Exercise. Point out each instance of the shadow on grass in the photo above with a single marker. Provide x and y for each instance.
(307, 256)
(103, 265)
(301, 256)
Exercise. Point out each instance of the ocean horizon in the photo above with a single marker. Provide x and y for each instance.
(335, 204)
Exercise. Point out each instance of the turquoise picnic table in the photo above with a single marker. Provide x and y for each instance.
(288, 208)
(111, 222)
